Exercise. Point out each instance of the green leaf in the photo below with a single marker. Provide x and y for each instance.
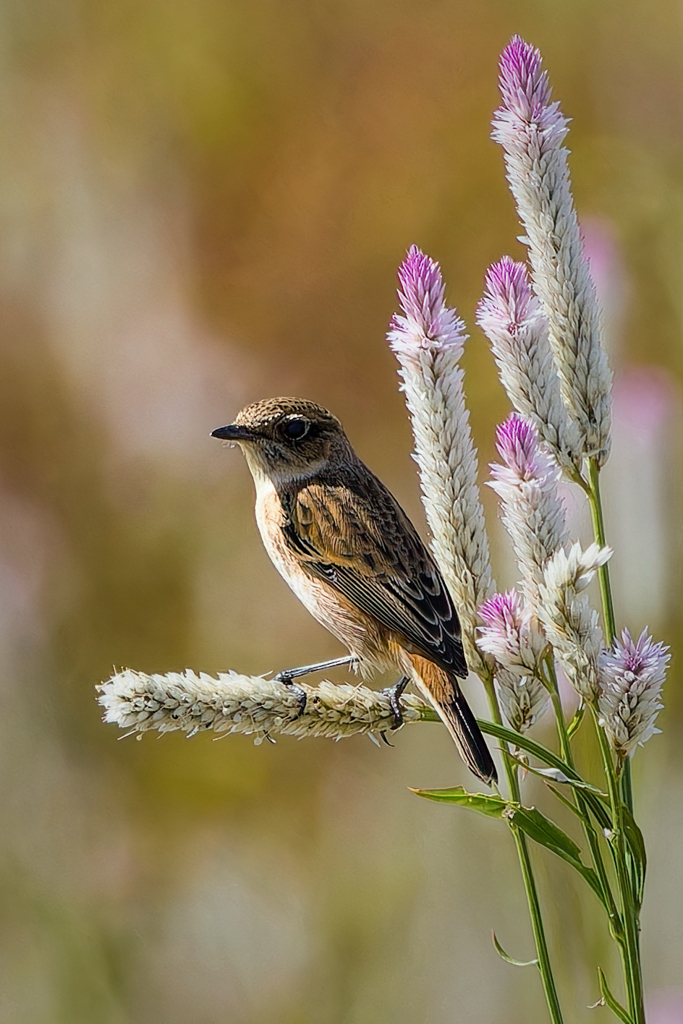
(546, 833)
(569, 805)
(518, 739)
(598, 808)
(492, 806)
(636, 845)
(510, 959)
(557, 775)
(609, 1000)
(594, 802)
(576, 721)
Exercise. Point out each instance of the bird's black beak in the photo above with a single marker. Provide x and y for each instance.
(232, 432)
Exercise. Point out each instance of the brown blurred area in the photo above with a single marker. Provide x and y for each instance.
(203, 203)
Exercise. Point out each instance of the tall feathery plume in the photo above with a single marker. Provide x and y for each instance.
(513, 637)
(631, 678)
(569, 622)
(531, 130)
(512, 319)
(192, 702)
(532, 511)
(428, 341)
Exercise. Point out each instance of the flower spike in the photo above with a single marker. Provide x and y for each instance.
(631, 678)
(531, 129)
(512, 319)
(428, 340)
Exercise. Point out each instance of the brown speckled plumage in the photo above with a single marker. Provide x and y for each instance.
(347, 549)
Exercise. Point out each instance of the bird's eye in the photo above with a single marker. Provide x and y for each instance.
(296, 429)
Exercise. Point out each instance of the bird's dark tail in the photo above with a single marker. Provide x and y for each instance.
(444, 693)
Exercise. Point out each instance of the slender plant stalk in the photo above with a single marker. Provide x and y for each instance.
(620, 787)
(595, 503)
(630, 946)
(544, 964)
(606, 598)
(615, 923)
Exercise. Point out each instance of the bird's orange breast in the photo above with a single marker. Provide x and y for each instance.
(357, 631)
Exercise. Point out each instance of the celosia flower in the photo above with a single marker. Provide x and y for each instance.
(569, 622)
(428, 341)
(511, 634)
(523, 698)
(511, 317)
(191, 702)
(631, 677)
(531, 130)
(531, 508)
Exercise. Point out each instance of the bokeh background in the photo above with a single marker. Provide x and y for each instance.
(204, 202)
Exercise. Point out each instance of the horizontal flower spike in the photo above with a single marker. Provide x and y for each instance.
(511, 317)
(192, 702)
(531, 130)
(428, 340)
(631, 677)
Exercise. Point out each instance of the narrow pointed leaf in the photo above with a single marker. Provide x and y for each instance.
(557, 775)
(524, 742)
(569, 804)
(546, 833)
(576, 721)
(610, 1001)
(517, 739)
(510, 959)
(636, 845)
(492, 806)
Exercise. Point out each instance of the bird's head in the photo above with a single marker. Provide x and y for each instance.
(287, 438)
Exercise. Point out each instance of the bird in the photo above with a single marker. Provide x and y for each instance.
(353, 558)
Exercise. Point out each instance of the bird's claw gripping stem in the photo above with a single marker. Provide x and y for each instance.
(394, 694)
(288, 675)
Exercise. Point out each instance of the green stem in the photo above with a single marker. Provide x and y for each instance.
(544, 965)
(595, 503)
(615, 923)
(630, 945)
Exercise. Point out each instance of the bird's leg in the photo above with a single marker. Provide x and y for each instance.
(393, 693)
(288, 675)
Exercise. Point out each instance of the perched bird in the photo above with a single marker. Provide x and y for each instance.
(351, 555)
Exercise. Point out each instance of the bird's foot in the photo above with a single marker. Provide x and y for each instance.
(288, 675)
(394, 693)
(298, 691)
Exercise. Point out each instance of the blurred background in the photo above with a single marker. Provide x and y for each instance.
(204, 203)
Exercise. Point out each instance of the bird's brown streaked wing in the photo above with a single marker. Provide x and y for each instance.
(366, 548)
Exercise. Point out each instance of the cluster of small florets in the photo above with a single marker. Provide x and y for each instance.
(631, 678)
(428, 341)
(545, 337)
(192, 702)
